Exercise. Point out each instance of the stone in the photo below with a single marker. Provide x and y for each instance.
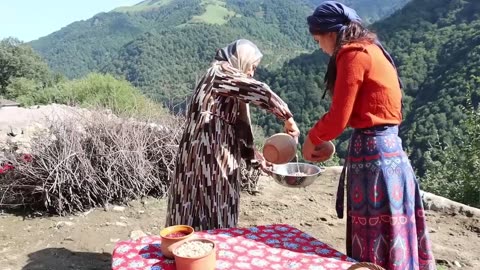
(117, 208)
(136, 234)
(443, 262)
(61, 224)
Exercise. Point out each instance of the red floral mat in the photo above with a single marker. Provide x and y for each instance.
(263, 247)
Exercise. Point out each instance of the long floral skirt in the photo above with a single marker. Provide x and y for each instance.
(385, 217)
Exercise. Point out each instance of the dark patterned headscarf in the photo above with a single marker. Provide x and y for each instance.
(332, 16)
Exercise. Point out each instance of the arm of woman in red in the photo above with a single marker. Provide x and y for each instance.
(352, 65)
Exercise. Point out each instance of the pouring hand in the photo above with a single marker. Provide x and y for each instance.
(291, 128)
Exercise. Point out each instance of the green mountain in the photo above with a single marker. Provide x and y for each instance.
(161, 46)
(87, 46)
(166, 63)
(436, 44)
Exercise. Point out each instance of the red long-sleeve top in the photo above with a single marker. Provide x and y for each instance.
(366, 93)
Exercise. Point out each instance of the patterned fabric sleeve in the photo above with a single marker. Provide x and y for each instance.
(251, 91)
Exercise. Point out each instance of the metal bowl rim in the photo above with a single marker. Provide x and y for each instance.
(319, 169)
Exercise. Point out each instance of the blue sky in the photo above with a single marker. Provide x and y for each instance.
(31, 19)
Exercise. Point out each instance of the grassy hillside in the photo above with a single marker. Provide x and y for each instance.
(183, 36)
(216, 12)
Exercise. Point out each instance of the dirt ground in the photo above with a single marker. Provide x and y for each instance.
(85, 241)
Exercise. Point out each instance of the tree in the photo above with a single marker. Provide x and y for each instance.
(453, 170)
(19, 60)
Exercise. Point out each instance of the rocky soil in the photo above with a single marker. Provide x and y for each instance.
(85, 241)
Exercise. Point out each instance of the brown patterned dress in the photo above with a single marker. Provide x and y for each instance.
(205, 191)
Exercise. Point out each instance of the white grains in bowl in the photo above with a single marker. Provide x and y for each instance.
(192, 249)
(299, 174)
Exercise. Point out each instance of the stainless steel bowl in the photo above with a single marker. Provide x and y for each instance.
(286, 174)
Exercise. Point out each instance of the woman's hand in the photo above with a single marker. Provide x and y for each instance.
(265, 166)
(291, 128)
(317, 153)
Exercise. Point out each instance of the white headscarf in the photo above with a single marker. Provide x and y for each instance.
(241, 54)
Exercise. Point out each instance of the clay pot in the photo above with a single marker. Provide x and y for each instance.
(169, 238)
(203, 262)
(280, 148)
(325, 151)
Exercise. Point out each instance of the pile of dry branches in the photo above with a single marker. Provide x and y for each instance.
(81, 163)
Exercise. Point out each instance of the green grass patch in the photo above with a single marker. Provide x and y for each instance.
(93, 91)
(215, 13)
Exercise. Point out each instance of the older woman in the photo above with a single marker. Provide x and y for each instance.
(385, 218)
(205, 191)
